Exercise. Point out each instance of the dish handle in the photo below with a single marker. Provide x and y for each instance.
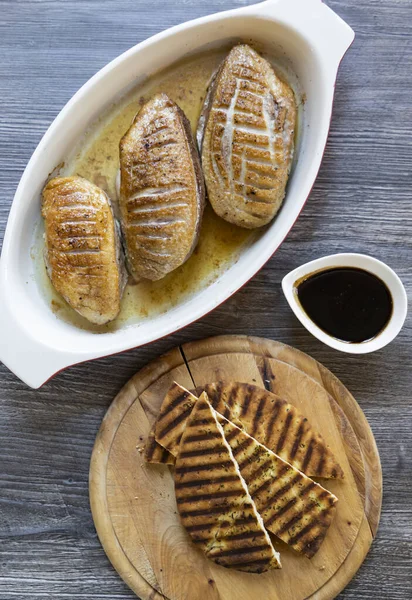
(328, 34)
(30, 359)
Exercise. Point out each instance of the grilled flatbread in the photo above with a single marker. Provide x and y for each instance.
(246, 133)
(155, 453)
(292, 506)
(161, 189)
(277, 425)
(83, 253)
(213, 500)
(270, 420)
(174, 412)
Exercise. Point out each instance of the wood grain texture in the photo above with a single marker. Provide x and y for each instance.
(133, 503)
(362, 201)
(265, 351)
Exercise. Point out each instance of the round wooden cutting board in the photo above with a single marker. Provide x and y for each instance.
(134, 506)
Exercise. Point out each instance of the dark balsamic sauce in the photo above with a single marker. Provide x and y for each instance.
(349, 304)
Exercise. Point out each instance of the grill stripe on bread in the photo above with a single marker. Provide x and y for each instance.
(218, 512)
(274, 422)
(293, 507)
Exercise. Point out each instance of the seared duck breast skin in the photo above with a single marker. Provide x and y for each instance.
(162, 192)
(246, 134)
(83, 254)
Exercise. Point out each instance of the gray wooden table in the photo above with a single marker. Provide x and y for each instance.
(361, 202)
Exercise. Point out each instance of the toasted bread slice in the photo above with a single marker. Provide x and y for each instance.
(292, 506)
(213, 501)
(277, 425)
(270, 420)
(174, 412)
(155, 453)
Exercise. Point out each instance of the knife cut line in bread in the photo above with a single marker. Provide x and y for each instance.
(175, 410)
(213, 500)
(293, 507)
(271, 420)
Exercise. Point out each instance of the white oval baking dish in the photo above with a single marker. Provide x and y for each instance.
(34, 344)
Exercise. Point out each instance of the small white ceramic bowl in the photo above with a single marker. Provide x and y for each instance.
(360, 261)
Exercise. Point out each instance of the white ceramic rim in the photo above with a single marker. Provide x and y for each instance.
(361, 261)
